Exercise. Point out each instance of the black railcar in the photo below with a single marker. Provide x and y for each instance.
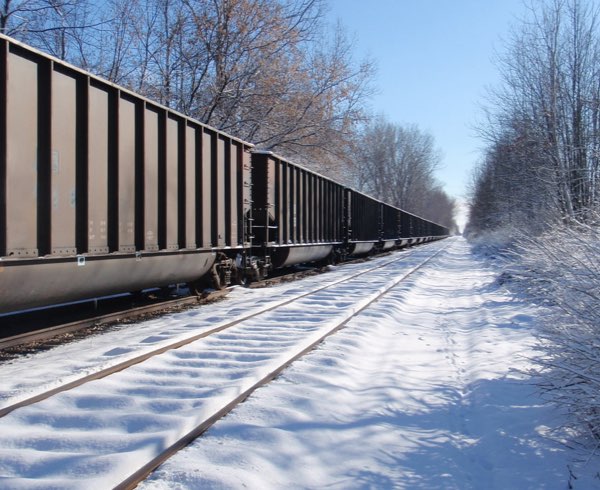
(391, 226)
(298, 215)
(103, 191)
(364, 222)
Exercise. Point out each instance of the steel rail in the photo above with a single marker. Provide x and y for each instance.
(102, 373)
(142, 473)
(45, 334)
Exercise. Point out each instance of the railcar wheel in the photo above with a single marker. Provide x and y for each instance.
(239, 278)
(329, 260)
(198, 286)
(217, 281)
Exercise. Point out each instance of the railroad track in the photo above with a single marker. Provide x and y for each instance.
(39, 337)
(218, 396)
(129, 314)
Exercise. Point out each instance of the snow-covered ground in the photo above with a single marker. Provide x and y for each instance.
(424, 389)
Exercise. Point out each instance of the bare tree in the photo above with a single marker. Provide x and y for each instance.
(58, 27)
(396, 164)
(267, 71)
(440, 208)
(17, 16)
(513, 188)
(549, 102)
(539, 183)
(568, 285)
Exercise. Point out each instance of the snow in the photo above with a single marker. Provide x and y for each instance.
(426, 388)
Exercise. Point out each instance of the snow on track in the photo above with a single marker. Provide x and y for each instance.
(94, 436)
(422, 390)
(25, 377)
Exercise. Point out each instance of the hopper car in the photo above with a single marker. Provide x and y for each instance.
(103, 191)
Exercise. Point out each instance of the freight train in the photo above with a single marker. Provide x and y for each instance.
(103, 191)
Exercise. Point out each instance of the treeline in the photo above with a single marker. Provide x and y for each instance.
(271, 72)
(543, 127)
(397, 164)
(536, 193)
(262, 70)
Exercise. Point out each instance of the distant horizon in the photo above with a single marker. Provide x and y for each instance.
(434, 64)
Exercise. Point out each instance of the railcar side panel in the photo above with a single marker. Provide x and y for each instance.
(148, 214)
(364, 217)
(419, 231)
(206, 194)
(63, 154)
(297, 202)
(312, 207)
(305, 231)
(405, 225)
(218, 178)
(21, 155)
(3, 174)
(318, 207)
(126, 188)
(290, 197)
(282, 209)
(193, 226)
(245, 190)
(390, 222)
(96, 185)
(171, 184)
(330, 205)
(231, 197)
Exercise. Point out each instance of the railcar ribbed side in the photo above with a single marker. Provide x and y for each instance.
(103, 191)
(297, 213)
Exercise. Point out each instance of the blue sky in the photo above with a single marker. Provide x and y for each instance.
(435, 60)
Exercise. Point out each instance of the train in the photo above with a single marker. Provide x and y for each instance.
(103, 191)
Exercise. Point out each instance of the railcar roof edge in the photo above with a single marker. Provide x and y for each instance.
(116, 86)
